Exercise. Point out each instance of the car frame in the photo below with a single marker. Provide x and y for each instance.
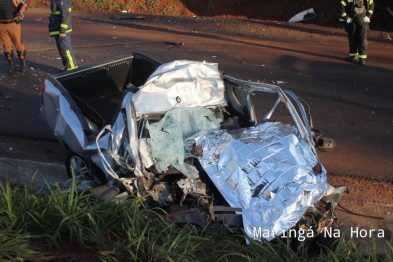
(111, 152)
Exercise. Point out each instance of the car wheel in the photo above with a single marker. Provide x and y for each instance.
(77, 166)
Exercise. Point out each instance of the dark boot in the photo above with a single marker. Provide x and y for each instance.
(22, 58)
(352, 58)
(10, 58)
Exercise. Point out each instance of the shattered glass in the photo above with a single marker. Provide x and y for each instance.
(166, 142)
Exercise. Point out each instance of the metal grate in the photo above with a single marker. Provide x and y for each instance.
(95, 82)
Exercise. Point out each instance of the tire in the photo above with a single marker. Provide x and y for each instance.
(80, 166)
(77, 165)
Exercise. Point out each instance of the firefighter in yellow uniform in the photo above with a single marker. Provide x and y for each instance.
(356, 15)
(11, 15)
(60, 28)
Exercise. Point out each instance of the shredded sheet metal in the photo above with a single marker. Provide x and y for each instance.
(167, 135)
(267, 171)
(180, 83)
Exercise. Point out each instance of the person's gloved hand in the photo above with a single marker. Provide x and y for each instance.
(349, 20)
(62, 36)
(366, 19)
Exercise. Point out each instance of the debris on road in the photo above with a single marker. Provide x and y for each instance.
(127, 17)
(389, 11)
(303, 16)
(172, 44)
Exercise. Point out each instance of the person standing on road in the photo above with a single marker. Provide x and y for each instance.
(60, 28)
(11, 15)
(356, 15)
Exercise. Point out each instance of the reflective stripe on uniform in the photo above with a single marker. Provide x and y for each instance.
(59, 12)
(353, 54)
(70, 59)
(343, 3)
(64, 26)
(58, 32)
(363, 56)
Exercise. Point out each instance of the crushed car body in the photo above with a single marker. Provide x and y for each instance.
(191, 138)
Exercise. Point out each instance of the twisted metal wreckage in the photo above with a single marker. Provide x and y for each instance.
(189, 137)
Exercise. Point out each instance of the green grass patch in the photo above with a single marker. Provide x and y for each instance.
(130, 231)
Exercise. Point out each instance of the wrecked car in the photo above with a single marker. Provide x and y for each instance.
(209, 148)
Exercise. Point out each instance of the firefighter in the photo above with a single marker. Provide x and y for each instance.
(60, 28)
(12, 13)
(356, 15)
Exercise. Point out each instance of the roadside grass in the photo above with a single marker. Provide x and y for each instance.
(130, 231)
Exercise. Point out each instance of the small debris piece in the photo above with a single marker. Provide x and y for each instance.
(127, 17)
(390, 11)
(306, 15)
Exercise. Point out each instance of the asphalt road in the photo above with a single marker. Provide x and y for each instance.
(350, 103)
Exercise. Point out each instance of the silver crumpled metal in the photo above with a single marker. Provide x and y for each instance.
(267, 171)
(180, 83)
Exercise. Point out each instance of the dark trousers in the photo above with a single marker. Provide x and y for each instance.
(357, 37)
(66, 52)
